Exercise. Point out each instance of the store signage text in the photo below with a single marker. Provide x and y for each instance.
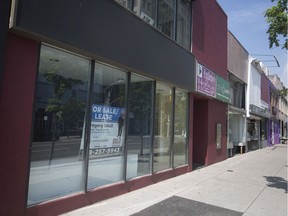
(206, 81)
(107, 131)
(210, 84)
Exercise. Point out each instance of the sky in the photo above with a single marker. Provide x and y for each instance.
(247, 23)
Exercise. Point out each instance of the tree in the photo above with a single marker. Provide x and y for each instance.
(276, 17)
(58, 107)
(284, 92)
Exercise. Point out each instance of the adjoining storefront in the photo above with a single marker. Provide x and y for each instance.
(210, 117)
(237, 120)
(257, 128)
(238, 59)
(274, 121)
(259, 107)
(236, 131)
(283, 127)
(274, 132)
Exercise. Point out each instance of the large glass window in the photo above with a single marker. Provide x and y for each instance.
(62, 85)
(263, 129)
(166, 13)
(162, 127)
(125, 3)
(183, 36)
(107, 136)
(146, 9)
(180, 128)
(139, 133)
(162, 14)
(63, 130)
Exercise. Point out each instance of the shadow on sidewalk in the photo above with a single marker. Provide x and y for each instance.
(276, 182)
(178, 206)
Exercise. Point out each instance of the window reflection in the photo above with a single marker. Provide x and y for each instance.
(139, 134)
(183, 23)
(107, 126)
(162, 127)
(57, 150)
(146, 10)
(162, 14)
(166, 17)
(59, 112)
(180, 127)
(125, 3)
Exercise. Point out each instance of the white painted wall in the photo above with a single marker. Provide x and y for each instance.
(255, 87)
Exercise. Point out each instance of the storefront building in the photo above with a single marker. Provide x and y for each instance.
(274, 126)
(93, 106)
(238, 59)
(258, 113)
(282, 108)
(210, 100)
(265, 105)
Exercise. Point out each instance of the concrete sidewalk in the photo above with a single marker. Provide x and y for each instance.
(252, 184)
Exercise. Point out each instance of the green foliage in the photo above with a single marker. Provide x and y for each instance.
(283, 93)
(64, 110)
(54, 106)
(61, 84)
(276, 17)
(72, 110)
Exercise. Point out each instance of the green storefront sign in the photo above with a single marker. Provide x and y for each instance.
(223, 90)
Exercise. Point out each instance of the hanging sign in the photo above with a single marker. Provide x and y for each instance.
(223, 90)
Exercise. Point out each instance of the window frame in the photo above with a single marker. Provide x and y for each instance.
(175, 16)
(87, 125)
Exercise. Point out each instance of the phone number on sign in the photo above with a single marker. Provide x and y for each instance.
(103, 151)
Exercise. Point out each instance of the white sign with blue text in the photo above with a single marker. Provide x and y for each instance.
(107, 127)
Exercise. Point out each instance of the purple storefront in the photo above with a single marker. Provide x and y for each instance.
(273, 137)
(274, 129)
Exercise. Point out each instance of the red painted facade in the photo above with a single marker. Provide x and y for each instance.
(16, 106)
(210, 48)
(217, 113)
(265, 88)
(200, 138)
(207, 113)
(209, 39)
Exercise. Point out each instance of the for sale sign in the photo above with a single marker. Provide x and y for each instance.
(107, 131)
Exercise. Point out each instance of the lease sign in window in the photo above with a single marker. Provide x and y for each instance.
(106, 130)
